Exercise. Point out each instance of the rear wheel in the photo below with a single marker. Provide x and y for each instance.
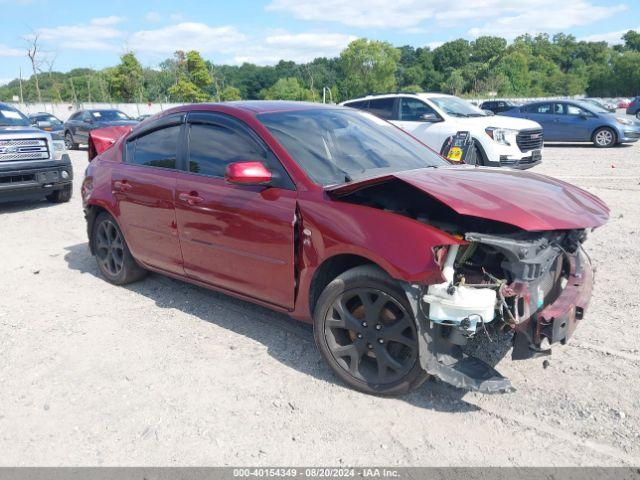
(604, 137)
(61, 196)
(68, 142)
(366, 332)
(115, 261)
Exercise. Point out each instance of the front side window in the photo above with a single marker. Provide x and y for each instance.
(542, 108)
(339, 145)
(213, 147)
(109, 115)
(382, 107)
(156, 149)
(412, 109)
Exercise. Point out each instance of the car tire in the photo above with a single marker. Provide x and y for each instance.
(61, 196)
(365, 330)
(638, 114)
(604, 137)
(114, 259)
(476, 157)
(68, 141)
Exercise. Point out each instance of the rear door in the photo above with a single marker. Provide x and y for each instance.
(144, 186)
(237, 237)
(544, 114)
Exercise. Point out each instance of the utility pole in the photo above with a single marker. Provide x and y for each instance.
(21, 97)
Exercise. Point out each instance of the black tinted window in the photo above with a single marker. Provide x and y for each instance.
(412, 109)
(213, 147)
(539, 108)
(362, 104)
(382, 107)
(156, 149)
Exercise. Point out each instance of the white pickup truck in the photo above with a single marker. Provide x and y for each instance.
(32, 161)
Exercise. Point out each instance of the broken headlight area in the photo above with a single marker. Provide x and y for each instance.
(532, 283)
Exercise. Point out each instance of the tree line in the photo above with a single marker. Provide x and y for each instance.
(541, 65)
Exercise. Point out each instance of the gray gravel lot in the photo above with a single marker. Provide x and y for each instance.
(164, 373)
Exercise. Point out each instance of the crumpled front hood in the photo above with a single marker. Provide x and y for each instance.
(526, 200)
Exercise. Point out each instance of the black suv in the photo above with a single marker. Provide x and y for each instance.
(77, 128)
(498, 106)
(31, 160)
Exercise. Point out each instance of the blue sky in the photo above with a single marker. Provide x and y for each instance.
(93, 34)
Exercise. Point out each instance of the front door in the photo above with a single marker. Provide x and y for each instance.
(240, 238)
(144, 186)
(423, 122)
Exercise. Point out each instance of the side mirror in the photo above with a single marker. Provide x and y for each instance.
(431, 118)
(42, 124)
(583, 116)
(248, 173)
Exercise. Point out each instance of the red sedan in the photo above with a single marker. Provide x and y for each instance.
(340, 219)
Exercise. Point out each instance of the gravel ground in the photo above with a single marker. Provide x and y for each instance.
(164, 373)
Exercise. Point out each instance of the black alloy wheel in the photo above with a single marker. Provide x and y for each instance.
(365, 331)
(109, 247)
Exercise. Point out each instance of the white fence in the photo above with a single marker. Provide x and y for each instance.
(64, 110)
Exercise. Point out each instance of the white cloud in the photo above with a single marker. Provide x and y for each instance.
(104, 21)
(299, 47)
(546, 16)
(491, 17)
(4, 81)
(611, 38)
(98, 34)
(11, 52)
(186, 36)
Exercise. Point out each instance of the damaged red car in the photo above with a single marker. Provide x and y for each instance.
(338, 218)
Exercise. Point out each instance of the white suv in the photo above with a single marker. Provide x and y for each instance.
(434, 117)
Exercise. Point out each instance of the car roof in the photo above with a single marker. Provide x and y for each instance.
(253, 107)
(401, 94)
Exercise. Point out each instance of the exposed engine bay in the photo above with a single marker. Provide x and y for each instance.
(499, 274)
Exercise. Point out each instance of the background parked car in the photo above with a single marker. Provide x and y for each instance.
(47, 122)
(434, 117)
(574, 121)
(77, 128)
(634, 108)
(497, 106)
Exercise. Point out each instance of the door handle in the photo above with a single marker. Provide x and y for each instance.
(121, 186)
(191, 198)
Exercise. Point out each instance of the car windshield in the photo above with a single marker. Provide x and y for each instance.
(457, 107)
(335, 146)
(109, 115)
(48, 118)
(10, 117)
(592, 106)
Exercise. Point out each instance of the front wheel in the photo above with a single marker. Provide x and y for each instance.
(604, 137)
(115, 261)
(365, 331)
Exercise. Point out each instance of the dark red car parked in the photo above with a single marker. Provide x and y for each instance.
(339, 218)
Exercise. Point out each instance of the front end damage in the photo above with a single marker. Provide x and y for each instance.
(536, 284)
(519, 264)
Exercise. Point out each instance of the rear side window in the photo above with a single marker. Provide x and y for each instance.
(156, 149)
(382, 107)
(213, 147)
(539, 108)
(362, 104)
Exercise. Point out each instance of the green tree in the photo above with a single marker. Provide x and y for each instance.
(484, 49)
(368, 66)
(454, 84)
(127, 79)
(632, 40)
(454, 54)
(287, 89)
(230, 93)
